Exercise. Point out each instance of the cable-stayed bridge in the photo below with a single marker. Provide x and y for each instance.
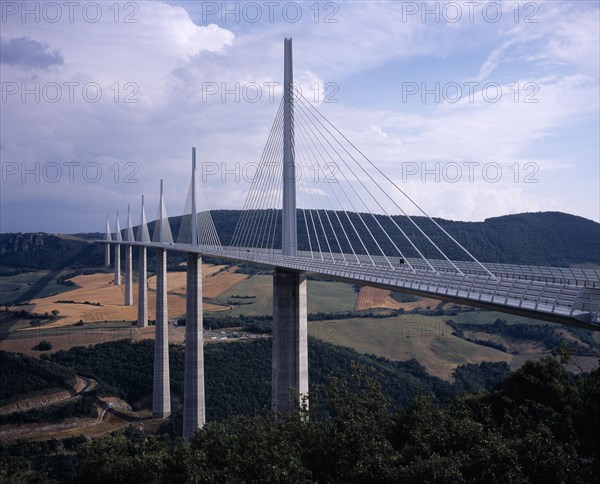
(319, 205)
(559, 295)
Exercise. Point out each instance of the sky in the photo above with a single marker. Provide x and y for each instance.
(475, 109)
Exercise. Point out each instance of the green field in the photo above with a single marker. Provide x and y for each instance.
(323, 296)
(260, 286)
(330, 296)
(428, 339)
(30, 285)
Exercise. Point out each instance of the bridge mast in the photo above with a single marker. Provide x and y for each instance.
(289, 364)
(289, 239)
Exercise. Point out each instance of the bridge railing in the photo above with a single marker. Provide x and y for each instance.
(575, 301)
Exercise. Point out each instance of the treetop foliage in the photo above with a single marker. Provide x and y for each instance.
(512, 434)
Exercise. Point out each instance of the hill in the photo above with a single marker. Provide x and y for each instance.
(543, 238)
(238, 374)
(23, 377)
(46, 251)
(536, 425)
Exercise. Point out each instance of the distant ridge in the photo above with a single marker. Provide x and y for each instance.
(540, 238)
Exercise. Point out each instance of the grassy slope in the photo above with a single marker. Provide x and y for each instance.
(428, 339)
(327, 296)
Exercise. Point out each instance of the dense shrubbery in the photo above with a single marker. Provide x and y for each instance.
(21, 375)
(539, 425)
(44, 346)
(70, 301)
(545, 333)
(381, 424)
(26, 461)
(121, 368)
(82, 406)
(479, 378)
(238, 374)
(252, 324)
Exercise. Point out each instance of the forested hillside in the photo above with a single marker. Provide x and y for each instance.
(46, 251)
(238, 374)
(22, 376)
(539, 425)
(543, 238)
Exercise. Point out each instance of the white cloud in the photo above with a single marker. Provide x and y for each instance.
(172, 60)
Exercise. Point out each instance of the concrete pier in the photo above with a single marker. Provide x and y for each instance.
(128, 277)
(161, 397)
(142, 289)
(194, 415)
(290, 350)
(117, 264)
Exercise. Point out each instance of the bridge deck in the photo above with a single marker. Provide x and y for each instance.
(561, 275)
(567, 296)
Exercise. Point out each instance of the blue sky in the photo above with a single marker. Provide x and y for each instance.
(127, 90)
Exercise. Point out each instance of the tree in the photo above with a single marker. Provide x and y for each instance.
(118, 459)
(346, 449)
(18, 469)
(449, 445)
(44, 346)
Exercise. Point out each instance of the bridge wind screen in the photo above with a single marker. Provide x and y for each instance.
(348, 210)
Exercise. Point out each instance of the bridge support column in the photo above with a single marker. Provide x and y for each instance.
(128, 276)
(117, 264)
(142, 289)
(161, 398)
(290, 351)
(107, 256)
(194, 415)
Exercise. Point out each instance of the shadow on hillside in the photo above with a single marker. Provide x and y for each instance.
(46, 279)
(8, 320)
